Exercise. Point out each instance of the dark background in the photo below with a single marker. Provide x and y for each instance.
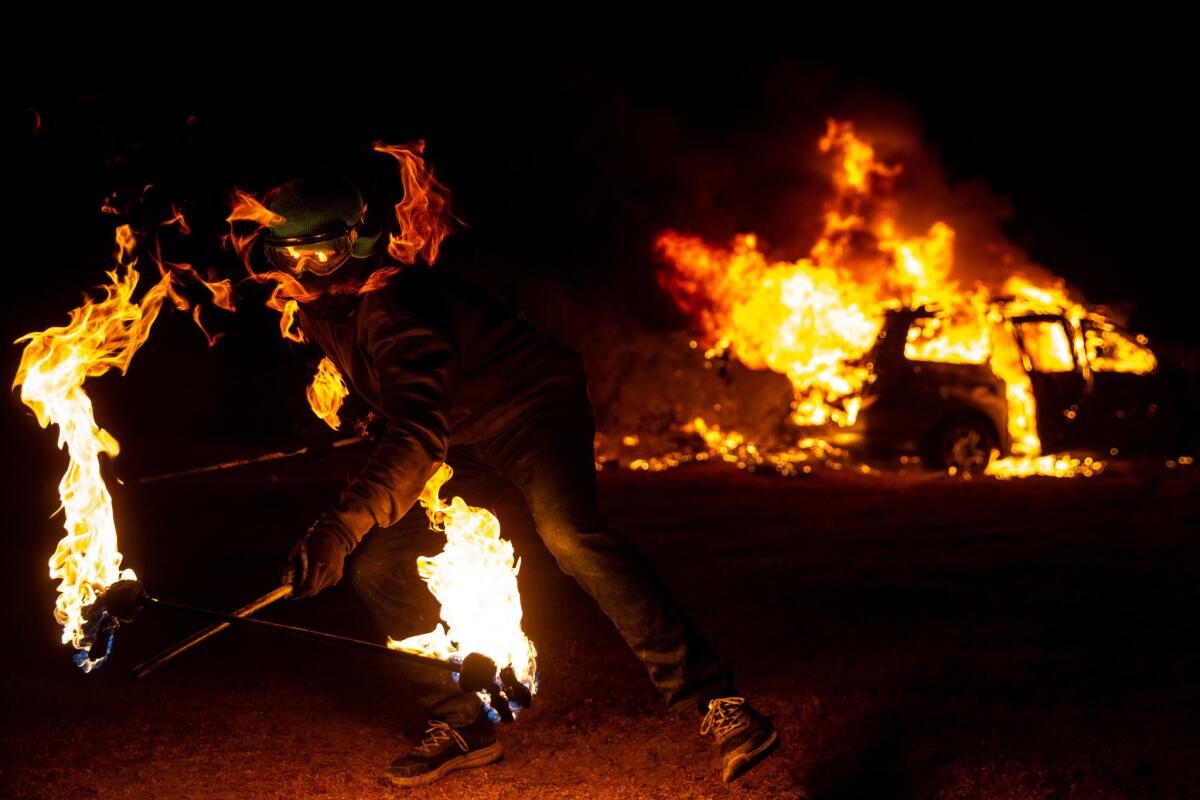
(1035, 639)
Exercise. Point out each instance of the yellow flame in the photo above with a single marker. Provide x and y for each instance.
(1110, 351)
(326, 393)
(475, 580)
(953, 339)
(101, 335)
(797, 318)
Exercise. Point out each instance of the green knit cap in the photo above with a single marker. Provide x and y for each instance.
(327, 203)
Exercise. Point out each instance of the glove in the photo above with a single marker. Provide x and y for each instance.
(317, 559)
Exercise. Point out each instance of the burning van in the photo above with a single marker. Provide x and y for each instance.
(929, 392)
(897, 337)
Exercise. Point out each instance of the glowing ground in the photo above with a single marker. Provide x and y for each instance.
(912, 636)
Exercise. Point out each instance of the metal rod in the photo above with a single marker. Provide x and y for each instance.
(150, 665)
(307, 633)
(244, 462)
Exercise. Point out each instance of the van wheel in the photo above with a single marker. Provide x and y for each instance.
(962, 446)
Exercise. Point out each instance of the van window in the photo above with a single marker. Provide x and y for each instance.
(958, 339)
(1047, 345)
(1110, 350)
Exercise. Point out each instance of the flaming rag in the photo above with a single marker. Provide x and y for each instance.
(463, 378)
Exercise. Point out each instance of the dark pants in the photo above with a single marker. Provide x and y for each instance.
(548, 455)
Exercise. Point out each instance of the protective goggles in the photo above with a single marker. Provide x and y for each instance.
(319, 254)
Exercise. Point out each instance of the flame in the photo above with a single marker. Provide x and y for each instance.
(177, 218)
(857, 157)
(101, 335)
(814, 319)
(221, 290)
(424, 212)
(246, 208)
(326, 392)
(798, 318)
(1110, 351)
(475, 580)
(959, 338)
(212, 338)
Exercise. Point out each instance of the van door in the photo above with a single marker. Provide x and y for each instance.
(1123, 408)
(1060, 389)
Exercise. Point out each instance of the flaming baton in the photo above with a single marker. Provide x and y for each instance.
(101, 335)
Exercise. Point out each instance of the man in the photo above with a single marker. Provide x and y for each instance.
(462, 378)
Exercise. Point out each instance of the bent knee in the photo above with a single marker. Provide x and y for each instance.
(576, 547)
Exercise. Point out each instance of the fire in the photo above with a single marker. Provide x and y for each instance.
(475, 580)
(326, 393)
(810, 319)
(423, 214)
(101, 335)
(732, 447)
(247, 208)
(814, 319)
(801, 318)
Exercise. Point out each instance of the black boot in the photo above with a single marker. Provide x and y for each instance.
(445, 749)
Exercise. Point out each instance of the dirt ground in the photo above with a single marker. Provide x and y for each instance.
(911, 635)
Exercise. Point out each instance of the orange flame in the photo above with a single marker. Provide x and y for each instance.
(101, 335)
(212, 338)
(177, 218)
(221, 290)
(475, 580)
(858, 165)
(246, 208)
(424, 213)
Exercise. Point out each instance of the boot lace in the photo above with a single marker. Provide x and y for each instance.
(436, 735)
(725, 715)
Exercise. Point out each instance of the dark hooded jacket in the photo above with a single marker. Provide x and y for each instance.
(445, 362)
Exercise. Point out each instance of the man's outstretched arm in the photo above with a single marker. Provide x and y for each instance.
(417, 367)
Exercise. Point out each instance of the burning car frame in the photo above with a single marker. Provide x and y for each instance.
(1093, 386)
(893, 342)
